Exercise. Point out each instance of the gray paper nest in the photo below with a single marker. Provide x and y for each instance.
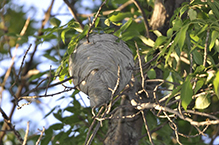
(94, 66)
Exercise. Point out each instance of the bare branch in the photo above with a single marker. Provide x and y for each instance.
(141, 71)
(8, 122)
(41, 135)
(147, 128)
(104, 13)
(174, 128)
(205, 49)
(26, 134)
(141, 106)
(74, 13)
(114, 90)
(95, 18)
(89, 137)
(144, 17)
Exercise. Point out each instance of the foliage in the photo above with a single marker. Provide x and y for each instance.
(186, 53)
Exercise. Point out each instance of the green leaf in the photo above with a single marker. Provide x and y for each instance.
(192, 14)
(183, 10)
(214, 36)
(70, 109)
(58, 115)
(147, 41)
(199, 85)
(214, 8)
(63, 35)
(199, 69)
(151, 74)
(51, 111)
(37, 76)
(169, 33)
(119, 16)
(127, 35)
(123, 28)
(177, 24)
(57, 126)
(50, 57)
(197, 57)
(54, 21)
(180, 37)
(186, 93)
(216, 84)
(160, 40)
(174, 92)
(202, 102)
(217, 45)
(97, 22)
(107, 22)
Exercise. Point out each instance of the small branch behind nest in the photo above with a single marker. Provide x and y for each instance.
(94, 20)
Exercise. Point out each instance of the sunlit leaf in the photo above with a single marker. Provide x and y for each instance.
(63, 35)
(216, 84)
(119, 16)
(147, 41)
(107, 22)
(97, 21)
(214, 36)
(202, 101)
(180, 37)
(217, 45)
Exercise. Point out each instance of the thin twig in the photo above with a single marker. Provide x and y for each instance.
(93, 22)
(205, 49)
(141, 106)
(91, 137)
(50, 75)
(141, 71)
(74, 13)
(114, 90)
(147, 128)
(153, 130)
(175, 128)
(17, 76)
(4, 126)
(41, 135)
(144, 17)
(104, 13)
(8, 122)
(13, 58)
(26, 134)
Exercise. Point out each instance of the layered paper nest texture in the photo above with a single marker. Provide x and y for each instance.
(94, 66)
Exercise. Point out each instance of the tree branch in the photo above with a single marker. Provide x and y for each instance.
(74, 13)
(8, 122)
(146, 25)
